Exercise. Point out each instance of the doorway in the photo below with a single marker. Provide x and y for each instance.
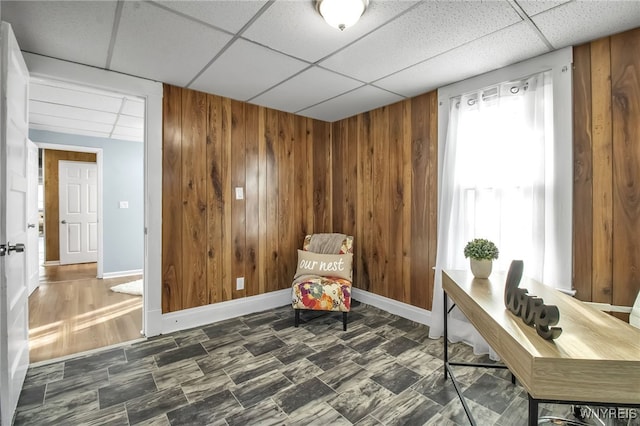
(74, 308)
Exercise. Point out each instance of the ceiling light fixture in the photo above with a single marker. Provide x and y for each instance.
(341, 14)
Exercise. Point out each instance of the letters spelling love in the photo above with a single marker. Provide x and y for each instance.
(530, 308)
(310, 265)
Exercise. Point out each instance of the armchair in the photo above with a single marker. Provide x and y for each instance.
(324, 275)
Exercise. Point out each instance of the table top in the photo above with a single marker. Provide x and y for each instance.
(595, 359)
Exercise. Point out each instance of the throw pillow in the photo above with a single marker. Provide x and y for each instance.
(325, 265)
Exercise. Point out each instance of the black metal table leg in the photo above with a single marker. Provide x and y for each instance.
(533, 411)
(446, 348)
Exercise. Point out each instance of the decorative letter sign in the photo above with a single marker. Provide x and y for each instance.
(530, 308)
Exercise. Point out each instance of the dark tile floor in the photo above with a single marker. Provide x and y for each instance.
(260, 370)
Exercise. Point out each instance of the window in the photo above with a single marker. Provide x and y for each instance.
(506, 174)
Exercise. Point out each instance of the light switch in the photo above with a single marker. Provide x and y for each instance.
(124, 204)
(239, 193)
(240, 283)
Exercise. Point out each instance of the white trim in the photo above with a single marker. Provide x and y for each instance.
(401, 309)
(202, 315)
(52, 263)
(119, 274)
(99, 164)
(151, 91)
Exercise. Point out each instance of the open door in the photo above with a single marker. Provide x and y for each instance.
(33, 219)
(14, 325)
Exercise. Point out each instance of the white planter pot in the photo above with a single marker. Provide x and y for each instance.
(481, 268)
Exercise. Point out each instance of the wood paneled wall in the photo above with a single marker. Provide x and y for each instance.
(51, 197)
(385, 166)
(212, 145)
(607, 169)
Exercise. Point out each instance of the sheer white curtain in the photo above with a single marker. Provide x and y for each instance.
(495, 185)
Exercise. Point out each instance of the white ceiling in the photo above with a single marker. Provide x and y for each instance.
(281, 54)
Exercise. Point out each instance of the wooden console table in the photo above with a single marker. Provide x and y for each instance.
(596, 360)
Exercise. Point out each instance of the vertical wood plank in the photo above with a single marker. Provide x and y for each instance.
(172, 199)
(419, 214)
(262, 202)
(625, 91)
(215, 200)
(338, 170)
(351, 139)
(308, 187)
(365, 195)
(286, 200)
(194, 199)
(228, 281)
(272, 230)
(602, 276)
(381, 204)
(395, 196)
(238, 214)
(299, 181)
(322, 176)
(253, 168)
(407, 195)
(582, 174)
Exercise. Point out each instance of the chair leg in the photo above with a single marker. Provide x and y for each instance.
(296, 320)
(344, 321)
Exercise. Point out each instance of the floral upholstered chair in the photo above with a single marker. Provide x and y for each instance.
(324, 275)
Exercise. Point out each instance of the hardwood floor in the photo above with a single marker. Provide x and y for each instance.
(72, 311)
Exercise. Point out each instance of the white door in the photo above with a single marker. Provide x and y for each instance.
(78, 183)
(14, 325)
(33, 219)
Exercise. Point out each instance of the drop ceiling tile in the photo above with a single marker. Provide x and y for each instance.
(129, 121)
(246, 70)
(76, 97)
(68, 131)
(228, 15)
(120, 131)
(66, 111)
(128, 138)
(502, 48)
(160, 45)
(48, 120)
(533, 7)
(133, 107)
(306, 89)
(362, 99)
(433, 28)
(70, 30)
(295, 28)
(565, 25)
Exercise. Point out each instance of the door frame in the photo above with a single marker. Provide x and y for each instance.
(99, 160)
(55, 69)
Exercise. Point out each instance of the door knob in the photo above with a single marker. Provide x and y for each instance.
(31, 225)
(18, 248)
(63, 221)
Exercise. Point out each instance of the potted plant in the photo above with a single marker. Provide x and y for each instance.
(481, 253)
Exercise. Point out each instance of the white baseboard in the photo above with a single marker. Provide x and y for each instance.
(202, 315)
(52, 263)
(401, 309)
(119, 274)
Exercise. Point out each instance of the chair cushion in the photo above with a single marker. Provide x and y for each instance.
(321, 293)
(324, 265)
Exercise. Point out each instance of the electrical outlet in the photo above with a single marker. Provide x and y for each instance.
(240, 283)
(239, 193)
